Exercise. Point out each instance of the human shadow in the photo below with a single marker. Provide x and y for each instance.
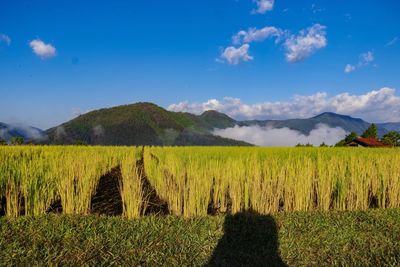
(249, 239)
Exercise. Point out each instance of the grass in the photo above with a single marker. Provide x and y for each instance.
(343, 238)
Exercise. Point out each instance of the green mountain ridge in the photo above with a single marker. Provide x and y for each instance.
(142, 124)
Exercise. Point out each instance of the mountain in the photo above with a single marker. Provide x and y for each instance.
(390, 126)
(142, 124)
(213, 119)
(29, 133)
(149, 124)
(304, 126)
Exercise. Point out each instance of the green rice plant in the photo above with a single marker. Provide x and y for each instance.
(34, 177)
(274, 179)
(133, 199)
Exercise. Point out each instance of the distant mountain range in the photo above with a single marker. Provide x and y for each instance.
(149, 124)
(304, 126)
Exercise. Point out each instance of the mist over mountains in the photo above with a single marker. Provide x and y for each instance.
(29, 133)
(149, 124)
(281, 137)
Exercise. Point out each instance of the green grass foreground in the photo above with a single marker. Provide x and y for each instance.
(295, 239)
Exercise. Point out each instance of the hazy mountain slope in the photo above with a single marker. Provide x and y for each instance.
(390, 126)
(304, 126)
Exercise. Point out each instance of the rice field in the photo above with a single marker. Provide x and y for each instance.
(34, 177)
(196, 181)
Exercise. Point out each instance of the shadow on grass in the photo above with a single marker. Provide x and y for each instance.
(249, 239)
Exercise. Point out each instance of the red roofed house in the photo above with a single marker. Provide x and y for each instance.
(366, 142)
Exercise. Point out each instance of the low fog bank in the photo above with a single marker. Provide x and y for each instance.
(29, 133)
(267, 136)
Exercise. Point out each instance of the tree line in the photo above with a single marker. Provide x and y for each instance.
(391, 138)
(15, 140)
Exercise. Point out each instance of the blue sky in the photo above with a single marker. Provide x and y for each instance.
(61, 58)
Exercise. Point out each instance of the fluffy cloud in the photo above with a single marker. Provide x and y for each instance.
(254, 35)
(266, 136)
(42, 49)
(263, 6)
(304, 44)
(298, 47)
(234, 55)
(376, 106)
(5, 38)
(364, 60)
(349, 68)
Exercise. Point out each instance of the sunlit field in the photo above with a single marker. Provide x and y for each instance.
(199, 181)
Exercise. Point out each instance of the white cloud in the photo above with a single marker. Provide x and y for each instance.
(298, 47)
(304, 44)
(267, 136)
(393, 41)
(263, 6)
(254, 35)
(349, 68)
(234, 55)
(5, 38)
(364, 60)
(42, 49)
(375, 106)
